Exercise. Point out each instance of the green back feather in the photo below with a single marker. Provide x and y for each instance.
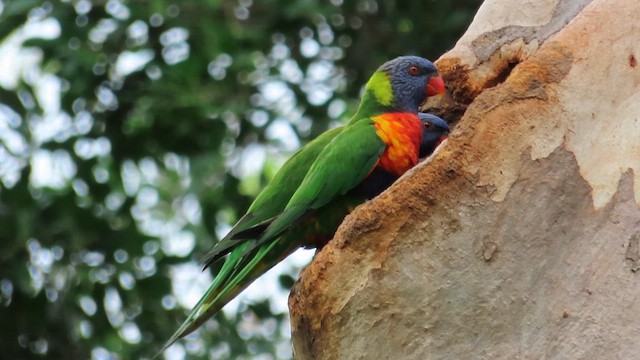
(343, 163)
(275, 196)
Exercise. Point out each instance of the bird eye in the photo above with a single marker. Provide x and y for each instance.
(413, 70)
(427, 125)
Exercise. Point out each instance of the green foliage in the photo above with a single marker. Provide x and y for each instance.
(133, 133)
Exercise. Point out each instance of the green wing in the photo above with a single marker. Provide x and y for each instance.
(274, 197)
(341, 165)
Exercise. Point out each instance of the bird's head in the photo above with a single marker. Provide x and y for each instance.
(435, 131)
(404, 83)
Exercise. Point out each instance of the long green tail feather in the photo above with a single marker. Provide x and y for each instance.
(236, 274)
(192, 321)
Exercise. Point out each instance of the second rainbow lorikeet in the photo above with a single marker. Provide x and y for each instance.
(318, 186)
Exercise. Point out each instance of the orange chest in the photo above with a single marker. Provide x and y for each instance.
(402, 132)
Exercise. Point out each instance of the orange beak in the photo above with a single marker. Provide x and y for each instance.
(435, 86)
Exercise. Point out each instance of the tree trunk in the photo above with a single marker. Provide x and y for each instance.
(520, 238)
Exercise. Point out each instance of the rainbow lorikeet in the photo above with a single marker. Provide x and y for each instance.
(313, 191)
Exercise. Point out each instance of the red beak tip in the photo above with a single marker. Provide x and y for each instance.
(435, 86)
(441, 140)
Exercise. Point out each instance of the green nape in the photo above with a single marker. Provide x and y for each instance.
(377, 98)
(380, 85)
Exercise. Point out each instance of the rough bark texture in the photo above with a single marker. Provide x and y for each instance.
(520, 238)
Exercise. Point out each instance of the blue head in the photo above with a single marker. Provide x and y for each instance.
(412, 79)
(435, 130)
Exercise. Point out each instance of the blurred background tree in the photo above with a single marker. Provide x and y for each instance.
(133, 133)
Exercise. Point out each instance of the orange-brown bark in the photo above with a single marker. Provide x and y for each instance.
(519, 238)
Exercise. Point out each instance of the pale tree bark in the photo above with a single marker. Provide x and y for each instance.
(520, 238)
